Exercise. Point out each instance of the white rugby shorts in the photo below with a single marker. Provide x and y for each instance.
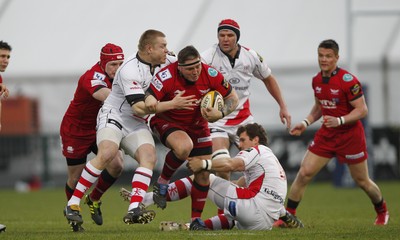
(125, 130)
(245, 212)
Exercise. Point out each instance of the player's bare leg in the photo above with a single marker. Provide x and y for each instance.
(221, 143)
(359, 172)
(310, 166)
(218, 144)
(181, 145)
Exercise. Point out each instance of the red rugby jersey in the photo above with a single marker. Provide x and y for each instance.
(83, 109)
(168, 82)
(336, 92)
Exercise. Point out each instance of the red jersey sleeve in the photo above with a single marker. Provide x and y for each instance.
(93, 81)
(351, 86)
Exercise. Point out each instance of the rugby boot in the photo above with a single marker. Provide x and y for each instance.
(139, 215)
(95, 212)
(197, 225)
(160, 195)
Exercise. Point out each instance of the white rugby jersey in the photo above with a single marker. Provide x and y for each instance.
(133, 77)
(264, 177)
(248, 64)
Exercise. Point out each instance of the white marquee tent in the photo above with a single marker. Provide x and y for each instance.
(55, 41)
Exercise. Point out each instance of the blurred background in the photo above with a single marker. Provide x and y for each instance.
(54, 42)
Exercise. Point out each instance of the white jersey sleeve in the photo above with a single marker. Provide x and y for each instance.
(132, 78)
(249, 156)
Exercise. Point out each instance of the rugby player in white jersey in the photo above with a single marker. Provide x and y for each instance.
(257, 198)
(239, 65)
(122, 123)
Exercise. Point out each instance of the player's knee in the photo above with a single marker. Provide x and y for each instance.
(117, 165)
(183, 150)
(106, 156)
(305, 175)
(151, 158)
(146, 157)
(362, 182)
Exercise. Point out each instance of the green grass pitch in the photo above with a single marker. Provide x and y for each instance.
(327, 213)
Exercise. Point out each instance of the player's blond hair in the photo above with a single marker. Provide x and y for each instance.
(148, 38)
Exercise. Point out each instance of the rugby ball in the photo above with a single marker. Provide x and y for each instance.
(212, 99)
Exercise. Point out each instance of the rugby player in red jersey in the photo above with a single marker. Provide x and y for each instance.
(340, 104)
(78, 128)
(186, 131)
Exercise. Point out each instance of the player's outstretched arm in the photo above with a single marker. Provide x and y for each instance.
(314, 115)
(178, 102)
(273, 88)
(218, 165)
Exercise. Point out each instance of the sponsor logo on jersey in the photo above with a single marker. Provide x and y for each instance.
(328, 104)
(347, 77)
(318, 90)
(355, 156)
(99, 76)
(157, 84)
(97, 82)
(241, 88)
(334, 91)
(212, 72)
(274, 195)
(164, 75)
(355, 89)
(135, 85)
(234, 80)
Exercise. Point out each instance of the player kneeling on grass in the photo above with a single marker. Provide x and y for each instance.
(256, 200)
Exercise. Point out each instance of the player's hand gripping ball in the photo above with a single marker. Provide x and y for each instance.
(212, 99)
